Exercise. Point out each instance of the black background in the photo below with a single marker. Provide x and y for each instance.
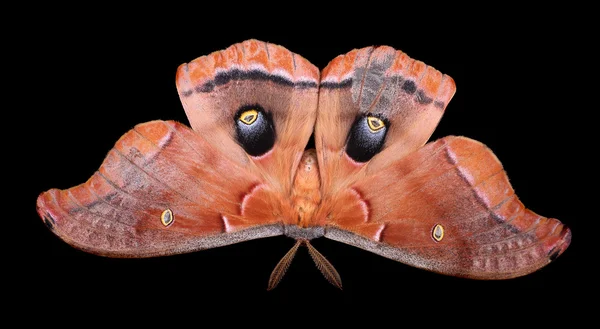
(84, 82)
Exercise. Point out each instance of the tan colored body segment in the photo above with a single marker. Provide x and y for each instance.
(306, 194)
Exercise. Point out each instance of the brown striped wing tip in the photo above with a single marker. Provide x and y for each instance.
(44, 209)
(558, 240)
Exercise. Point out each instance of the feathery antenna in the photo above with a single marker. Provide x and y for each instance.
(322, 264)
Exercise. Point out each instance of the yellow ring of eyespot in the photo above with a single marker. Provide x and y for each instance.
(438, 233)
(375, 124)
(248, 117)
(167, 218)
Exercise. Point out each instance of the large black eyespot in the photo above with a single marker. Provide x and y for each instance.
(254, 129)
(366, 137)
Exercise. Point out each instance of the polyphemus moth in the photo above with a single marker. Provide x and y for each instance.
(243, 171)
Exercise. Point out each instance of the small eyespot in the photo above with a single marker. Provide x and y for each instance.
(249, 117)
(375, 124)
(167, 218)
(438, 232)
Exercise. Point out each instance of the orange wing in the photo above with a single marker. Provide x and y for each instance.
(166, 189)
(214, 88)
(447, 206)
(382, 83)
(161, 190)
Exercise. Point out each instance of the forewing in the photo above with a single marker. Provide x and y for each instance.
(214, 88)
(409, 96)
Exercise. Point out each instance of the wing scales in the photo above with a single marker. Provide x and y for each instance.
(459, 184)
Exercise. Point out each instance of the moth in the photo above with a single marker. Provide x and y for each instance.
(244, 171)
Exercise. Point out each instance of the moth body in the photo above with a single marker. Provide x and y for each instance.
(306, 191)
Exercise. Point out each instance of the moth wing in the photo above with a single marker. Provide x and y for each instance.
(447, 208)
(215, 87)
(165, 188)
(161, 190)
(381, 82)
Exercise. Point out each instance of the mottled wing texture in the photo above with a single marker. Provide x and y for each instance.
(165, 188)
(381, 81)
(157, 166)
(447, 208)
(212, 88)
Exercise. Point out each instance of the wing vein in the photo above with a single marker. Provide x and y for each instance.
(364, 77)
(443, 174)
(379, 93)
(78, 204)
(192, 178)
(181, 195)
